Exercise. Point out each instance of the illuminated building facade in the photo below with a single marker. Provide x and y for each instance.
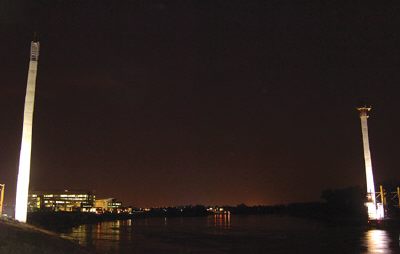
(67, 201)
(26, 144)
(108, 205)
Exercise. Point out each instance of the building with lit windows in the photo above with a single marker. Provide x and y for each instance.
(66, 200)
(110, 205)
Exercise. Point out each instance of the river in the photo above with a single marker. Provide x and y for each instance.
(232, 234)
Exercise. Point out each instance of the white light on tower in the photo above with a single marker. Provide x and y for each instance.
(375, 211)
(21, 201)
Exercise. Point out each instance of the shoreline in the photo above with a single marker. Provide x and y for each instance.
(23, 238)
(61, 221)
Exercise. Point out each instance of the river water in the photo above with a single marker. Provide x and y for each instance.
(232, 234)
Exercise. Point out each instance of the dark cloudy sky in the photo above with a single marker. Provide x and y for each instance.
(212, 102)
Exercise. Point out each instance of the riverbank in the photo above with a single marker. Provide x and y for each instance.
(63, 221)
(21, 238)
(57, 221)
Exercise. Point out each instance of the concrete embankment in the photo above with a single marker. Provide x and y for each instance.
(21, 238)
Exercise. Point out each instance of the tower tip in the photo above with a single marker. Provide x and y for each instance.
(35, 51)
(364, 110)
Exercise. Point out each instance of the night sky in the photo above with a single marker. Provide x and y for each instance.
(201, 102)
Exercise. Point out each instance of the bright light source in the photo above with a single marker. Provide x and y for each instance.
(375, 211)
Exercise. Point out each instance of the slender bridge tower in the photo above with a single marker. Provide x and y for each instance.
(375, 211)
(26, 144)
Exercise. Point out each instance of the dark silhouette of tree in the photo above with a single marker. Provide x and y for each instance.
(346, 202)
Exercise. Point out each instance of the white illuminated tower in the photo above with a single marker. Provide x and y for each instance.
(375, 211)
(21, 201)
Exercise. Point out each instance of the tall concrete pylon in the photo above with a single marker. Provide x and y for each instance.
(21, 201)
(375, 211)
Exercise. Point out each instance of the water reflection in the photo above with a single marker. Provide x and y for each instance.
(222, 220)
(377, 241)
(105, 235)
(243, 234)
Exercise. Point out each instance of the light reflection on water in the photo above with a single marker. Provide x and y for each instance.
(377, 241)
(104, 235)
(221, 220)
(223, 233)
